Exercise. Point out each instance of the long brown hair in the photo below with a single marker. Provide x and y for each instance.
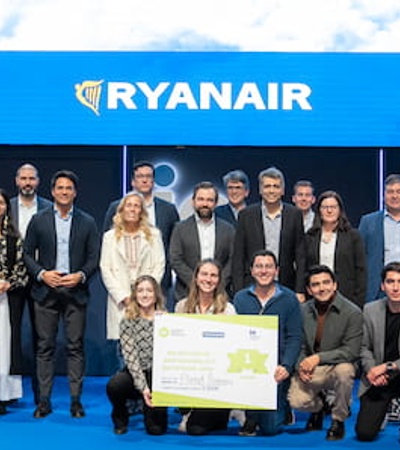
(220, 299)
(133, 309)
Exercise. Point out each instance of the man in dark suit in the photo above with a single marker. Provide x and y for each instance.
(237, 188)
(162, 214)
(23, 207)
(61, 254)
(271, 225)
(200, 236)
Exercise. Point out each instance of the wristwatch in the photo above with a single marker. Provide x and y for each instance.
(391, 367)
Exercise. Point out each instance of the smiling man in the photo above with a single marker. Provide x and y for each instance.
(332, 333)
(271, 225)
(237, 188)
(303, 198)
(267, 297)
(380, 355)
(61, 254)
(200, 236)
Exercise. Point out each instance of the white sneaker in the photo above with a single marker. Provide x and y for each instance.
(182, 425)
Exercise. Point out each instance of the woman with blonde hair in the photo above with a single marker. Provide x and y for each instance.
(130, 249)
(136, 337)
(206, 296)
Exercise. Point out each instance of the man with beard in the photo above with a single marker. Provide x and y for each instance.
(200, 236)
(23, 207)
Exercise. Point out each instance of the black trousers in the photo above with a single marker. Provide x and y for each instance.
(120, 388)
(203, 421)
(373, 407)
(58, 305)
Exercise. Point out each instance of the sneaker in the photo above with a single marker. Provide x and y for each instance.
(290, 418)
(183, 424)
(238, 415)
(249, 429)
(393, 412)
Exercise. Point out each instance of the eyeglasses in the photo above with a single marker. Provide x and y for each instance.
(144, 176)
(326, 207)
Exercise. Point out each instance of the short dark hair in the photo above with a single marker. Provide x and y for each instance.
(318, 269)
(140, 164)
(391, 267)
(264, 253)
(65, 174)
(205, 185)
(303, 183)
(236, 175)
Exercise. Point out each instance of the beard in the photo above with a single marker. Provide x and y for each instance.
(204, 213)
(27, 192)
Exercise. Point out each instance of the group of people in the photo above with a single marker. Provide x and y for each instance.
(304, 263)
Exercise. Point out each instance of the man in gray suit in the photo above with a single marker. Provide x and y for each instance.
(23, 207)
(200, 236)
(380, 355)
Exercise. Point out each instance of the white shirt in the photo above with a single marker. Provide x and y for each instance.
(25, 214)
(206, 232)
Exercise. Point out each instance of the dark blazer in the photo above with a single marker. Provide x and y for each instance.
(42, 203)
(250, 238)
(184, 251)
(372, 233)
(166, 217)
(40, 250)
(349, 264)
(225, 212)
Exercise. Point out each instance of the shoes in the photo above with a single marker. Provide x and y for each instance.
(3, 409)
(77, 410)
(393, 412)
(336, 431)
(43, 409)
(183, 425)
(122, 429)
(249, 429)
(290, 418)
(315, 421)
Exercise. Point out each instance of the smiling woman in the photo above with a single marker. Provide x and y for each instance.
(130, 249)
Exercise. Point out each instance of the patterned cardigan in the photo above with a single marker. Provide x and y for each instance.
(136, 338)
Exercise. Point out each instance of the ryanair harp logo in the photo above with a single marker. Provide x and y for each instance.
(88, 93)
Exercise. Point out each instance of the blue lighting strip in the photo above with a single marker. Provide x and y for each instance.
(381, 169)
(124, 169)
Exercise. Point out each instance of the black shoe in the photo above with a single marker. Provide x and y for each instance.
(336, 431)
(315, 421)
(249, 428)
(77, 410)
(43, 409)
(122, 429)
(3, 408)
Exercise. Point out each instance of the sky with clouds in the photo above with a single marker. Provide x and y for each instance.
(201, 25)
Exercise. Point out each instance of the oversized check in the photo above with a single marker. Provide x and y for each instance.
(215, 361)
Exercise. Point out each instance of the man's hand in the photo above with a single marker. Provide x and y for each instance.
(307, 367)
(70, 280)
(52, 278)
(378, 376)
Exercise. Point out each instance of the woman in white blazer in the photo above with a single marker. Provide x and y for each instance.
(130, 249)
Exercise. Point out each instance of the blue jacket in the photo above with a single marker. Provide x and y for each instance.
(372, 232)
(285, 305)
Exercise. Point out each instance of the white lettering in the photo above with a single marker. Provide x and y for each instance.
(273, 96)
(152, 95)
(121, 91)
(222, 97)
(181, 95)
(295, 92)
(249, 95)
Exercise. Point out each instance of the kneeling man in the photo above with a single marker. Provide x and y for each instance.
(332, 334)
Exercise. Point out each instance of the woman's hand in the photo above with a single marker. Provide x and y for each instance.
(147, 397)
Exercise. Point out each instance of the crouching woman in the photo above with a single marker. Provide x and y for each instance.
(136, 338)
